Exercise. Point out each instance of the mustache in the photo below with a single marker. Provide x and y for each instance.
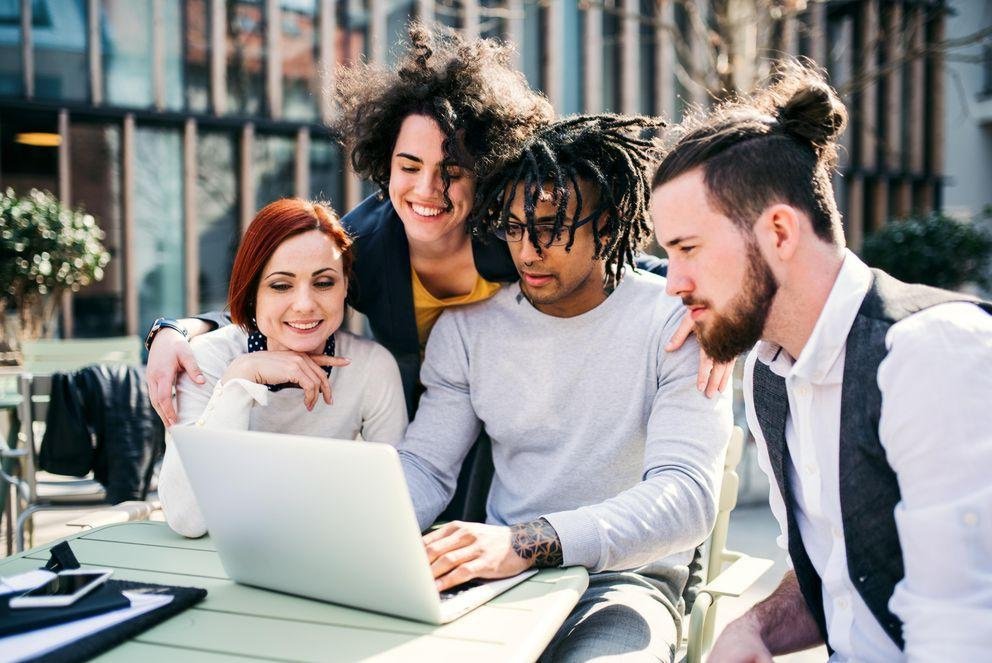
(689, 300)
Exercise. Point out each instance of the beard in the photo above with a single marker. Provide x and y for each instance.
(732, 333)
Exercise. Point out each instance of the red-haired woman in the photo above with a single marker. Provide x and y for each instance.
(287, 300)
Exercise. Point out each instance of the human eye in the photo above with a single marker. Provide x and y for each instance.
(514, 230)
(325, 284)
(686, 249)
(280, 286)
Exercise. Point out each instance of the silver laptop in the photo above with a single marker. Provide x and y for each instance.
(321, 518)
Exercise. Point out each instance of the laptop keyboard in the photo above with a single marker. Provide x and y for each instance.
(449, 594)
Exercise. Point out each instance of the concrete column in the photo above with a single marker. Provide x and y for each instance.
(128, 240)
(552, 64)
(27, 49)
(425, 11)
(592, 59)
(855, 226)
(515, 29)
(377, 31)
(65, 197)
(301, 165)
(935, 117)
(158, 56)
(630, 56)
(867, 49)
(191, 234)
(273, 58)
(246, 208)
(470, 18)
(327, 27)
(94, 51)
(218, 57)
(664, 60)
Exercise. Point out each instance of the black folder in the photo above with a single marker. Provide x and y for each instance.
(103, 599)
(99, 642)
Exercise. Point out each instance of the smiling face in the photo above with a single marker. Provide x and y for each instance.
(558, 282)
(416, 188)
(715, 267)
(300, 297)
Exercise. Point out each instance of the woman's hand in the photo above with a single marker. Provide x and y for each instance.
(271, 367)
(712, 377)
(169, 356)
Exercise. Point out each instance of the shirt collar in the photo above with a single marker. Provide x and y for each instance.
(818, 361)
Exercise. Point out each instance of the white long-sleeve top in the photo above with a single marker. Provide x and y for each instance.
(936, 429)
(368, 404)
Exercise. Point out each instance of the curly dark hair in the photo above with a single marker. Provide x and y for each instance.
(483, 106)
(612, 152)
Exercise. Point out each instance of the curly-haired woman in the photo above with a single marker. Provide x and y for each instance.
(424, 131)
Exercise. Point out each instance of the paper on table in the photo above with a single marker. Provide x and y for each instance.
(41, 641)
(23, 582)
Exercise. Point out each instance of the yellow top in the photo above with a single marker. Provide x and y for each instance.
(427, 308)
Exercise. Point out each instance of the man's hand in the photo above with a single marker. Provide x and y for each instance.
(169, 356)
(740, 642)
(712, 377)
(459, 552)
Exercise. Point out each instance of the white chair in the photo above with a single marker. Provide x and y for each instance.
(721, 580)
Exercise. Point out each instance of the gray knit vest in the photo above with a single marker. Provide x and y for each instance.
(869, 490)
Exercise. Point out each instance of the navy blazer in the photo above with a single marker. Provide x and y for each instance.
(382, 289)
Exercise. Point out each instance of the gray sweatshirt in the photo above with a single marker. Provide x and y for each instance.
(594, 426)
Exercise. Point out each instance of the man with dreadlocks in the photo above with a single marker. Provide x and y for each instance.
(606, 454)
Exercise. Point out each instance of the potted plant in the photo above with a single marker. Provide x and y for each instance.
(936, 249)
(46, 249)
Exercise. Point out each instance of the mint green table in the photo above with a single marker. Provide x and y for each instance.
(236, 621)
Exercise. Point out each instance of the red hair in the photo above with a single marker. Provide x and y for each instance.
(273, 225)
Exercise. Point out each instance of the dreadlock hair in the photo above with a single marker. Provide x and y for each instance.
(482, 105)
(607, 151)
(777, 146)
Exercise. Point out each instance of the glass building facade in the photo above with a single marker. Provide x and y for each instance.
(175, 120)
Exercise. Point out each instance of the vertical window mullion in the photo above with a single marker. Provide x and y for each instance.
(158, 56)
(327, 16)
(65, 196)
(27, 49)
(301, 170)
(94, 50)
(130, 269)
(218, 57)
(191, 245)
(246, 186)
(273, 57)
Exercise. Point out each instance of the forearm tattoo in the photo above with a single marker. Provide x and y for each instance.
(537, 540)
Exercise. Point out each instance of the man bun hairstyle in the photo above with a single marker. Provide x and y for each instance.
(483, 106)
(778, 145)
(612, 153)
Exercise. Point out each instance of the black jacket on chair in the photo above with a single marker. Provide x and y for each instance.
(100, 420)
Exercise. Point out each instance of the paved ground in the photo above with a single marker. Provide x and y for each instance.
(752, 531)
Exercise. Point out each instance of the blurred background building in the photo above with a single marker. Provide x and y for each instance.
(173, 121)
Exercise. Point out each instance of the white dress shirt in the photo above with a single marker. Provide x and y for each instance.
(936, 429)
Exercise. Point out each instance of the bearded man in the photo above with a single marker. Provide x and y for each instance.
(881, 492)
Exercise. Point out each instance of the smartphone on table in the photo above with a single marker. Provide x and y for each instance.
(64, 589)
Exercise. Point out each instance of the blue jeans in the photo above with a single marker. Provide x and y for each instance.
(622, 616)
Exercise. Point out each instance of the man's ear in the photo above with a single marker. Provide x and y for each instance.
(778, 230)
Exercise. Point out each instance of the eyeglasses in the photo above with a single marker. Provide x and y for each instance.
(545, 234)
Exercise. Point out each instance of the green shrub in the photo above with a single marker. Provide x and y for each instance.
(45, 250)
(936, 250)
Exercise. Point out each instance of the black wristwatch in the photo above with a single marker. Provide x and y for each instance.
(160, 323)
